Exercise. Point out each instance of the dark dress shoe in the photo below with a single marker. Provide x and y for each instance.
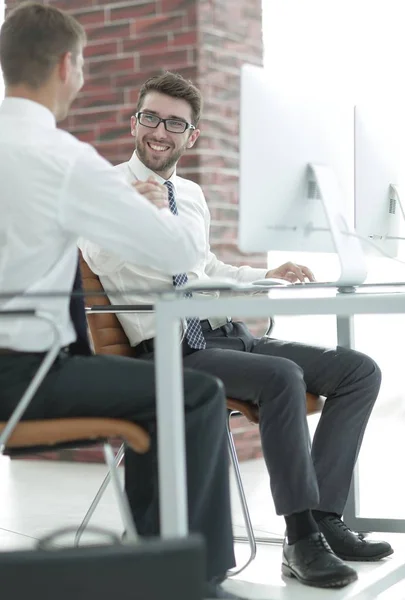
(348, 544)
(215, 590)
(312, 562)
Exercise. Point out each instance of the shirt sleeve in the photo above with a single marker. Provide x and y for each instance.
(100, 261)
(244, 274)
(97, 204)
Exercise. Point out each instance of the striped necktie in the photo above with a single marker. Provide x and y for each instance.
(194, 333)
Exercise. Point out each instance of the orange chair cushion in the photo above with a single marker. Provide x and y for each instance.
(58, 431)
(251, 411)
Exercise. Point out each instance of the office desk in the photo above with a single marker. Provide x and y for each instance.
(278, 302)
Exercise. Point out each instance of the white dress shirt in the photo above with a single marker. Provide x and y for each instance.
(54, 189)
(119, 275)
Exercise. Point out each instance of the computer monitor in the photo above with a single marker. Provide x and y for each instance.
(379, 163)
(297, 171)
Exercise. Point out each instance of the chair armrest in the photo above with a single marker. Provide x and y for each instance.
(56, 432)
(18, 312)
(121, 308)
(270, 327)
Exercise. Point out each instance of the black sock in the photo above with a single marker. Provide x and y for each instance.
(320, 514)
(300, 525)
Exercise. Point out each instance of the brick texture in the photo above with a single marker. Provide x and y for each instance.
(204, 40)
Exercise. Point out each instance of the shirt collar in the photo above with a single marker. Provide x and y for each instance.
(142, 172)
(23, 108)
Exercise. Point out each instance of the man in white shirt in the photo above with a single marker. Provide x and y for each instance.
(54, 189)
(310, 490)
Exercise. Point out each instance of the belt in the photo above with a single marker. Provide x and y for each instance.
(212, 324)
(148, 346)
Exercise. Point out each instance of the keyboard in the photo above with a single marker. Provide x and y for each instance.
(272, 281)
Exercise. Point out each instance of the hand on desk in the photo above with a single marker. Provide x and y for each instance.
(291, 272)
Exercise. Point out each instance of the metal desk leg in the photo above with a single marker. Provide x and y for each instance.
(170, 425)
(345, 331)
(345, 338)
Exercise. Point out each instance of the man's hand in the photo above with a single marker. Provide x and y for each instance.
(291, 272)
(155, 192)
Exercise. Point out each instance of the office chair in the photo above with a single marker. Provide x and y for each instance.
(35, 436)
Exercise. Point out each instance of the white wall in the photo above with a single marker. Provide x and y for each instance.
(357, 44)
(1, 21)
(356, 47)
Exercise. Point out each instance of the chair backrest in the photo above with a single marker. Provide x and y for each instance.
(106, 331)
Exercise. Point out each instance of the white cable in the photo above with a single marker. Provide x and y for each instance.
(376, 246)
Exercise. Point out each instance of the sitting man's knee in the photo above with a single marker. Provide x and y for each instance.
(363, 366)
(201, 388)
(287, 375)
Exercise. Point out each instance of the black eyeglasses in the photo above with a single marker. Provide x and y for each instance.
(172, 125)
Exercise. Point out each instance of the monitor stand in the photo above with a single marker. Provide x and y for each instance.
(353, 268)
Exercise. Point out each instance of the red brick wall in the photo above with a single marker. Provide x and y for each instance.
(204, 40)
(128, 43)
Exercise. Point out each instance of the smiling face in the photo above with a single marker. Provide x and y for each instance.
(158, 149)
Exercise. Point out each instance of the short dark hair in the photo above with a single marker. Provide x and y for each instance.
(176, 86)
(33, 38)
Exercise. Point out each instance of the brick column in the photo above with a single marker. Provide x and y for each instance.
(204, 40)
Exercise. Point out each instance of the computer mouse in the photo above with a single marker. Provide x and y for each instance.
(270, 281)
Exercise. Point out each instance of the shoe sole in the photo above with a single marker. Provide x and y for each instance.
(366, 558)
(334, 583)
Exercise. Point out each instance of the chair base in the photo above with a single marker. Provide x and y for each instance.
(234, 460)
(116, 461)
(245, 510)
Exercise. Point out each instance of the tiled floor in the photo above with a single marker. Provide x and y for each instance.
(37, 497)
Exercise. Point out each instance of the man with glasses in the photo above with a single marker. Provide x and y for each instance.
(172, 125)
(309, 488)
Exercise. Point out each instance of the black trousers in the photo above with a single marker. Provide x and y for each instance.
(108, 386)
(276, 375)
